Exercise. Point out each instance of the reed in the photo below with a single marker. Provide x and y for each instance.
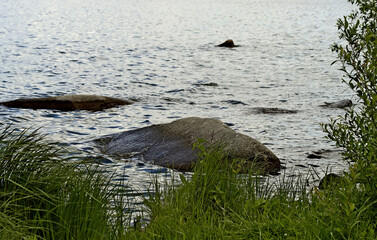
(44, 195)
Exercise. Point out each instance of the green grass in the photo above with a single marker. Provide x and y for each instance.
(46, 196)
(217, 202)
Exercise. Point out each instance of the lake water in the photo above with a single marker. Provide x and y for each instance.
(159, 51)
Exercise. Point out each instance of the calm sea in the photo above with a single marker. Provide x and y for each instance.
(160, 52)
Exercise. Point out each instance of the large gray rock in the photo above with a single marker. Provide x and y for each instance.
(68, 103)
(171, 144)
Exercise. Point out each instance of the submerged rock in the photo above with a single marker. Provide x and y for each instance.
(171, 145)
(339, 104)
(263, 110)
(314, 156)
(68, 102)
(209, 84)
(228, 43)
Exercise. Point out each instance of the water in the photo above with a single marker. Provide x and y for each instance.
(158, 52)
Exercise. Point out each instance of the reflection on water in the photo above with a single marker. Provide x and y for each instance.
(162, 53)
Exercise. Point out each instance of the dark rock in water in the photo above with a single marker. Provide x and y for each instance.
(325, 154)
(171, 144)
(330, 180)
(210, 84)
(263, 110)
(314, 156)
(68, 103)
(339, 104)
(228, 43)
(174, 100)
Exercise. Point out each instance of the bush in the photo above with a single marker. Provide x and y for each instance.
(356, 131)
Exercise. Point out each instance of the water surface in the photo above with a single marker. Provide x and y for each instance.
(160, 52)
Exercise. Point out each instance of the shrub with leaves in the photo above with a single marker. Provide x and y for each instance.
(356, 131)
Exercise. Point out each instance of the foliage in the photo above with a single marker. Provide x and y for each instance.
(356, 131)
(46, 196)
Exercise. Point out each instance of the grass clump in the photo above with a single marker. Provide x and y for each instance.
(46, 196)
(216, 202)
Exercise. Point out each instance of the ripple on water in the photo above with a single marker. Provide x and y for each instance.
(176, 71)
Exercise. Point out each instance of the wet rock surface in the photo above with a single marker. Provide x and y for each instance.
(207, 84)
(228, 43)
(314, 156)
(171, 145)
(340, 104)
(68, 103)
(264, 110)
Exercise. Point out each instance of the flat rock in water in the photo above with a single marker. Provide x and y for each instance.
(314, 156)
(209, 84)
(264, 110)
(339, 104)
(171, 145)
(68, 102)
